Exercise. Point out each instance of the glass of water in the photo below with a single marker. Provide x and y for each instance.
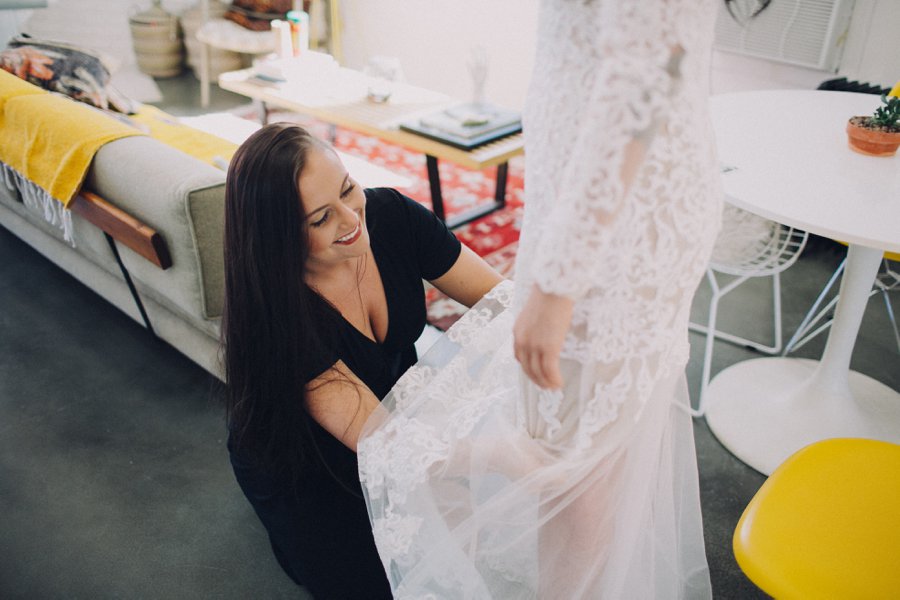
(382, 73)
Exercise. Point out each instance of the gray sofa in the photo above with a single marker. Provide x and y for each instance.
(182, 199)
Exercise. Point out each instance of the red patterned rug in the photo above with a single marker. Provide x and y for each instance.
(494, 237)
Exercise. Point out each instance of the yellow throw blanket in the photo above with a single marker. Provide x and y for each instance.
(49, 139)
(199, 144)
(11, 86)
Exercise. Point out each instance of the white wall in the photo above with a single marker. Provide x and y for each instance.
(432, 39)
(873, 43)
(102, 24)
(736, 73)
(11, 22)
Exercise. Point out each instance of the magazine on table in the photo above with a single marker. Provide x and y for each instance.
(467, 126)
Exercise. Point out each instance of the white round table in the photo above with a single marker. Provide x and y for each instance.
(792, 165)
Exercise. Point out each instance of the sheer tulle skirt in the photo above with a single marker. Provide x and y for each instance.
(479, 485)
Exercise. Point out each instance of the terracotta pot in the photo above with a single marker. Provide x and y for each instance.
(872, 142)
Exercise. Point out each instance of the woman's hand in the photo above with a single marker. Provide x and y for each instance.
(539, 333)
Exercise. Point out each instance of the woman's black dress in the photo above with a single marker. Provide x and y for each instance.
(321, 534)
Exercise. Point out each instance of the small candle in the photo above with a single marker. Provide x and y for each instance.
(282, 31)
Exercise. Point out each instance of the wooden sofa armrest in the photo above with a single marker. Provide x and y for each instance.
(123, 228)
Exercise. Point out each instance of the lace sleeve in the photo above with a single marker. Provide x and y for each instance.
(618, 104)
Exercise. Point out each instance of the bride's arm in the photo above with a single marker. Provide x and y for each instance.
(622, 112)
(622, 108)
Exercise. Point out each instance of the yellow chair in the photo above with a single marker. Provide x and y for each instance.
(826, 524)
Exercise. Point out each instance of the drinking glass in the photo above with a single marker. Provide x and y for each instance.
(382, 73)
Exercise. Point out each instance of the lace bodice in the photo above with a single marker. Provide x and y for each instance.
(585, 236)
(634, 77)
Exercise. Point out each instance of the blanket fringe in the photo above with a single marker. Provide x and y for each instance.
(37, 199)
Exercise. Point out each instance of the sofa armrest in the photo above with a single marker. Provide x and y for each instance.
(123, 228)
(178, 196)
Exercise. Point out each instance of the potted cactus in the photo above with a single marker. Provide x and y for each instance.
(879, 134)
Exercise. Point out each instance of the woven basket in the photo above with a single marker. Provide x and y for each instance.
(158, 47)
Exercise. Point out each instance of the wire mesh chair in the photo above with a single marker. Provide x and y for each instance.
(747, 246)
(887, 280)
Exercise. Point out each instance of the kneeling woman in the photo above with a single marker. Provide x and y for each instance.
(323, 302)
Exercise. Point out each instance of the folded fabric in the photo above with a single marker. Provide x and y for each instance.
(11, 86)
(193, 142)
(50, 139)
(47, 143)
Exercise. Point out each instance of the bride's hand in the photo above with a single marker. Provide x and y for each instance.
(539, 333)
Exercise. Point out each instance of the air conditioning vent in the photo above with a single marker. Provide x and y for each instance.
(809, 33)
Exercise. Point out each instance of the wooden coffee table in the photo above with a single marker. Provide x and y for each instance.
(337, 95)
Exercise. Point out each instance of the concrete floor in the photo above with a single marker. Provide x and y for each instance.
(114, 479)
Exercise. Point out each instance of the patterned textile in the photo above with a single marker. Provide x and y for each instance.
(76, 72)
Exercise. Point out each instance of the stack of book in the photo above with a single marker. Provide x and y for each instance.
(467, 126)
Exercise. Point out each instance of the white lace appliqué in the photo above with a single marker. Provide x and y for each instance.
(465, 474)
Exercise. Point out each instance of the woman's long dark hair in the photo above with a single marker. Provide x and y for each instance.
(273, 324)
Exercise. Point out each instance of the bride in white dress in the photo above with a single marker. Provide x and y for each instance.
(480, 484)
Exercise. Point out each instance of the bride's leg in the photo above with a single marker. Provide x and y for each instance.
(580, 508)
(575, 541)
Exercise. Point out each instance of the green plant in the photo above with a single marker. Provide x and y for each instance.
(889, 114)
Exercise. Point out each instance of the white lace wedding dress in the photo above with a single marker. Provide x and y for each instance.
(480, 485)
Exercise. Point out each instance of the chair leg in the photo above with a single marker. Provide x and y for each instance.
(776, 307)
(812, 317)
(712, 333)
(710, 341)
(803, 334)
(890, 311)
(742, 341)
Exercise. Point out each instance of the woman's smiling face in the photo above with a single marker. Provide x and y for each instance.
(334, 206)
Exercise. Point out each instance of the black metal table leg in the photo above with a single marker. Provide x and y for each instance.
(500, 190)
(437, 199)
(434, 180)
